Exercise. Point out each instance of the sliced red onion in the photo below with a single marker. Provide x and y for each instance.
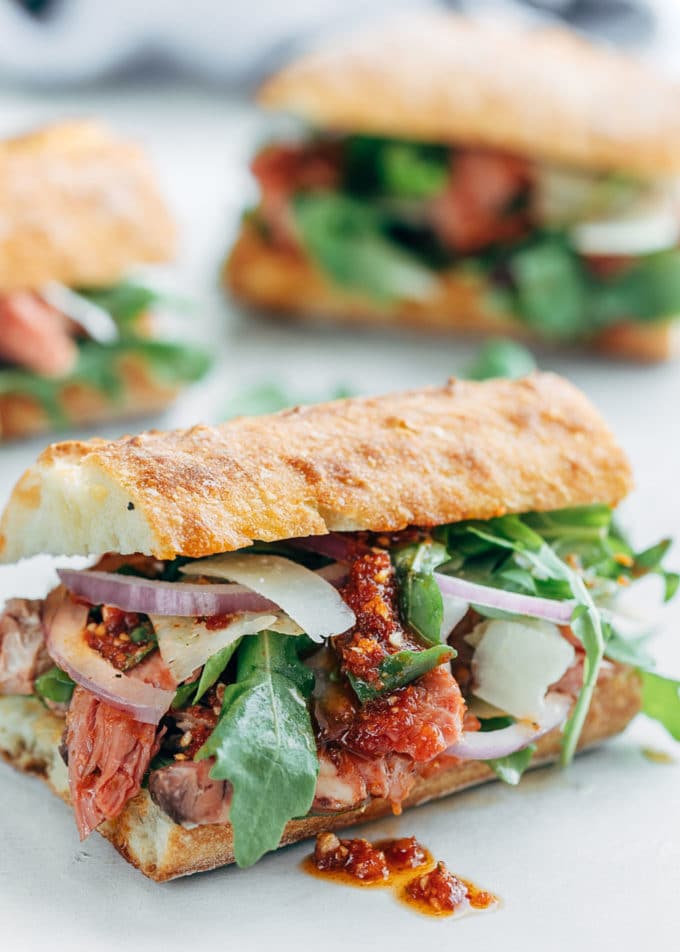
(547, 608)
(188, 599)
(305, 596)
(65, 622)
(487, 745)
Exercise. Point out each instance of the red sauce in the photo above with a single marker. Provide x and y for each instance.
(404, 865)
(111, 637)
(371, 593)
(217, 622)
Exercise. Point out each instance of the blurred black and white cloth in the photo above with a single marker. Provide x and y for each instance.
(67, 41)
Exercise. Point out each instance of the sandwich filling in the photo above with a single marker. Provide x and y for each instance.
(565, 252)
(311, 675)
(55, 341)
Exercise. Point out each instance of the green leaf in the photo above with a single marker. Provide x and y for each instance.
(410, 170)
(124, 302)
(647, 291)
(487, 724)
(510, 769)
(631, 651)
(55, 685)
(551, 291)
(579, 522)
(400, 669)
(264, 744)
(213, 669)
(661, 701)
(183, 696)
(420, 600)
(501, 357)
(346, 239)
(376, 166)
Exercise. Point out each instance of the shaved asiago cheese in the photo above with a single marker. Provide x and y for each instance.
(516, 661)
(455, 609)
(304, 595)
(186, 644)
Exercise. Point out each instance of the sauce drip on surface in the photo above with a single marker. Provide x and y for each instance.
(401, 864)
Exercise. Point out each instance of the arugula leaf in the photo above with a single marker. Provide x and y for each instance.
(550, 290)
(380, 166)
(487, 724)
(264, 743)
(661, 701)
(54, 685)
(183, 696)
(631, 651)
(346, 238)
(410, 170)
(124, 302)
(647, 291)
(510, 769)
(192, 693)
(420, 600)
(500, 357)
(400, 669)
(213, 668)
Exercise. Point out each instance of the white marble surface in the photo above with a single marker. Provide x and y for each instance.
(589, 858)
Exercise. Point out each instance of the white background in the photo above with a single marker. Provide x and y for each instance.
(587, 858)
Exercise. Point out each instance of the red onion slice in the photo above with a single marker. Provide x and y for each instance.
(487, 745)
(305, 596)
(188, 599)
(65, 622)
(531, 605)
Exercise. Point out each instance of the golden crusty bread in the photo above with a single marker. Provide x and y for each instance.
(291, 286)
(140, 392)
(78, 206)
(162, 850)
(439, 77)
(424, 457)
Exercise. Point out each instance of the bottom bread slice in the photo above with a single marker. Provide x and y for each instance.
(289, 285)
(162, 850)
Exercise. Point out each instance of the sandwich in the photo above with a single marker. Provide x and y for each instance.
(460, 175)
(300, 621)
(78, 209)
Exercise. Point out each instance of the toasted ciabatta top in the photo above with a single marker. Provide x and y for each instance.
(78, 206)
(438, 77)
(425, 457)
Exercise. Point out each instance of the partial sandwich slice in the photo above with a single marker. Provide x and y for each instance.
(78, 339)
(298, 621)
(463, 175)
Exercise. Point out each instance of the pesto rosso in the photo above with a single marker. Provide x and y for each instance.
(260, 688)
(99, 366)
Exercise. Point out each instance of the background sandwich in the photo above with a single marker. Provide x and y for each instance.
(79, 209)
(459, 175)
(321, 616)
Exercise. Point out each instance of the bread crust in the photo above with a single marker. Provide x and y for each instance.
(78, 206)
(22, 415)
(439, 77)
(291, 287)
(463, 451)
(163, 850)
